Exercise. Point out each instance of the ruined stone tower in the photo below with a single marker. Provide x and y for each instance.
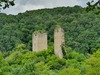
(39, 41)
(58, 42)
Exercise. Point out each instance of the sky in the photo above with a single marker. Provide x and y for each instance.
(24, 5)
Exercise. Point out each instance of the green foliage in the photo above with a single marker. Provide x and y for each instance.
(93, 64)
(46, 63)
(81, 28)
(82, 41)
(70, 71)
(6, 3)
(93, 6)
(76, 56)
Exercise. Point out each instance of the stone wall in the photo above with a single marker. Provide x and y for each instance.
(39, 41)
(58, 42)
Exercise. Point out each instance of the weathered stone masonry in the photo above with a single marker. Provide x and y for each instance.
(39, 41)
(58, 42)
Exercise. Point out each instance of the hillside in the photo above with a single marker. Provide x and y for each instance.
(81, 28)
(81, 50)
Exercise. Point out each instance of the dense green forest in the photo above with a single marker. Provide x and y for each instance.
(81, 49)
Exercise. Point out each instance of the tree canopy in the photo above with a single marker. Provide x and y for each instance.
(93, 5)
(81, 50)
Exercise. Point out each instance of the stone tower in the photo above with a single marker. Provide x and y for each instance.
(58, 42)
(39, 41)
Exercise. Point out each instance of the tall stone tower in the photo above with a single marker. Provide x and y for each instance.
(39, 41)
(58, 42)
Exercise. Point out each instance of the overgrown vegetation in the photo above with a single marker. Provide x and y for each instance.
(81, 50)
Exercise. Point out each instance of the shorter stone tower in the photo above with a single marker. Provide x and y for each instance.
(58, 42)
(39, 41)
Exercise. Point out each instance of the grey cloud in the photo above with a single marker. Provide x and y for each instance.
(48, 2)
(23, 5)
